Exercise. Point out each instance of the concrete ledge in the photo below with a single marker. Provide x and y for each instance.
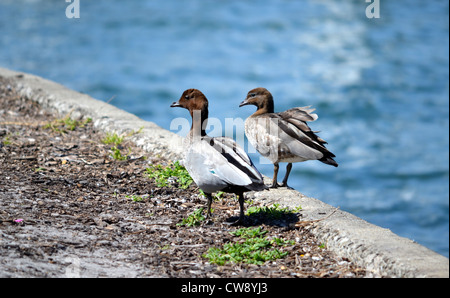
(369, 246)
(106, 117)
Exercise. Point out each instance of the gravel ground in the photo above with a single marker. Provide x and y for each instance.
(69, 209)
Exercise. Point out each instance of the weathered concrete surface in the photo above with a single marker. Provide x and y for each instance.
(369, 246)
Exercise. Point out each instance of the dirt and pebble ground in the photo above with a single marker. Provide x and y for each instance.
(69, 209)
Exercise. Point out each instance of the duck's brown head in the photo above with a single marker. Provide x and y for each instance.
(261, 98)
(192, 99)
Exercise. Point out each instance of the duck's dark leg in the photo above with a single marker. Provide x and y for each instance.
(241, 207)
(276, 166)
(288, 171)
(241, 210)
(208, 206)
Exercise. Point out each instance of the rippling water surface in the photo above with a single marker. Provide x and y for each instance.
(380, 86)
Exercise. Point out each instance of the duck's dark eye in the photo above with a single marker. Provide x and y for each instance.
(187, 97)
(252, 94)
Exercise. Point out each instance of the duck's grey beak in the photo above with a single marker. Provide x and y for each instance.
(245, 102)
(175, 104)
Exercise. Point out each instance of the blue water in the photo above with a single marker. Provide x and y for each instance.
(380, 86)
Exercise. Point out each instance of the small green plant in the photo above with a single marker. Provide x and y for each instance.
(116, 140)
(165, 247)
(112, 138)
(253, 249)
(272, 212)
(134, 132)
(117, 154)
(66, 124)
(7, 140)
(249, 233)
(162, 174)
(194, 219)
(217, 196)
(136, 198)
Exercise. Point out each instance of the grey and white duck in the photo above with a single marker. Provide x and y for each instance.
(284, 136)
(215, 163)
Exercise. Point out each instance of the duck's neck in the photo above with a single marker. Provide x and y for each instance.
(199, 121)
(265, 107)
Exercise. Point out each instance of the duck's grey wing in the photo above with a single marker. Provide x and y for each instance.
(296, 141)
(300, 113)
(293, 123)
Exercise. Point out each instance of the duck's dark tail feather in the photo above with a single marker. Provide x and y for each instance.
(329, 161)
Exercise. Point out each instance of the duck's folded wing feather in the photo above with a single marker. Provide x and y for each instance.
(300, 113)
(231, 163)
(300, 142)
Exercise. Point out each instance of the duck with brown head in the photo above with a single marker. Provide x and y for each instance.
(219, 163)
(285, 136)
